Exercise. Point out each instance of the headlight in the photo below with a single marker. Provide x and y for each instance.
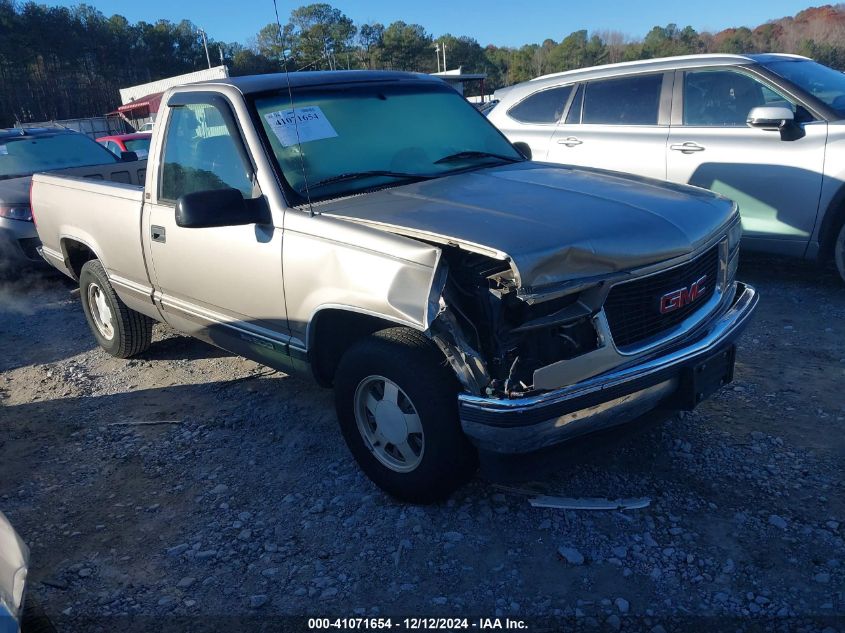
(20, 212)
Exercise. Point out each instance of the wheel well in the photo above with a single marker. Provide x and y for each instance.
(332, 332)
(76, 254)
(833, 219)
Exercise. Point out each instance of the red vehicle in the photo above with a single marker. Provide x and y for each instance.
(138, 142)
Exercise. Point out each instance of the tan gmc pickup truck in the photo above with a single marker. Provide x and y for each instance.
(375, 231)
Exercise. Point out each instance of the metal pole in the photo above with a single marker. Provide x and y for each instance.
(444, 57)
(437, 55)
(205, 45)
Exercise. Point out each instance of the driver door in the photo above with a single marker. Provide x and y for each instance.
(220, 283)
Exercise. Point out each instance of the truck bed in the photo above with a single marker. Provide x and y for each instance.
(66, 203)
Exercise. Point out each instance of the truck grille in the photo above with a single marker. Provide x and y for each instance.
(633, 307)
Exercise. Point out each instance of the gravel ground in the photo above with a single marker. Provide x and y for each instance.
(242, 500)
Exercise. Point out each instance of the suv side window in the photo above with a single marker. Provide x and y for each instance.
(723, 98)
(623, 101)
(545, 106)
(200, 154)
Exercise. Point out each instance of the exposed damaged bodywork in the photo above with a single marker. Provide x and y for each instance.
(498, 337)
(505, 343)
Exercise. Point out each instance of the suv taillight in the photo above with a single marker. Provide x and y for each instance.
(20, 212)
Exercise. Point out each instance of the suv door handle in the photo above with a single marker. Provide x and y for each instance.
(158, 234)
(687, 148)
(570, 141)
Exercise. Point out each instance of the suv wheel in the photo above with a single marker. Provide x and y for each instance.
(119, 330)
(839, 252)
(397, 405)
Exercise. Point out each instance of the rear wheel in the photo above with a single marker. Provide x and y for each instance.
(119, 330)
(397, 405)
(839, 252)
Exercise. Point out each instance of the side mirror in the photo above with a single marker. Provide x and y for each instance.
(217, 207)
(128, 157)
(524, 149)
(770, 117)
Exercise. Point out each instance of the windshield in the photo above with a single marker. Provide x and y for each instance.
(825, 84)
(25, 155)
(354, 138)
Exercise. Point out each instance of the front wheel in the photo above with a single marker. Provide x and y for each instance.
(397, 405)
(839, 252)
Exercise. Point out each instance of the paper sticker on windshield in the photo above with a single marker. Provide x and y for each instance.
(309, 121)
(3, 150)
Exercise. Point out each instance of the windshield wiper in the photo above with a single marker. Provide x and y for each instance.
(470, 154)
(358, 175)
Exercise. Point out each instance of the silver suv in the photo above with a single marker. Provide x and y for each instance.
(767, 131)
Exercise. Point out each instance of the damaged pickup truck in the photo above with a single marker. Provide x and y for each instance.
(374, 230)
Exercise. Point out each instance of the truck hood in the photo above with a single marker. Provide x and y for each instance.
(555, 223)
(15, 190)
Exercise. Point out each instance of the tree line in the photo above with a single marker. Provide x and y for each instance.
(59, 62)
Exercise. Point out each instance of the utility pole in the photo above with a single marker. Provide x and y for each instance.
(220, 50)
(437, 55)
(205, 45)
(444, 57)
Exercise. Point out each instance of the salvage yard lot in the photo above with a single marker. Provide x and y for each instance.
(242, 499)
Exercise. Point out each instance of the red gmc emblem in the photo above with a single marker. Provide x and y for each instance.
(671, 301)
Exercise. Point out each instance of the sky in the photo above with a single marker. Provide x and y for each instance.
(488, 21)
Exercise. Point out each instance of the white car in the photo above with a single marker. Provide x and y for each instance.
(767, 131)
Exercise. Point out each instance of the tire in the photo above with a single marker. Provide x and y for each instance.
(839, 252)
(120, 331)
(433, 462)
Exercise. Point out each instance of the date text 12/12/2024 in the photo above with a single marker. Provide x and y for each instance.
(417, 624)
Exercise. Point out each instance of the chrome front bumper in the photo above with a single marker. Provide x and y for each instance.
(522, 425)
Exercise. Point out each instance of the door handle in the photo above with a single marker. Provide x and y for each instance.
(158, 234)
(687, 148)
(570, 141)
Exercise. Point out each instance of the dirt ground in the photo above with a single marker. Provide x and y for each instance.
(191, 483)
